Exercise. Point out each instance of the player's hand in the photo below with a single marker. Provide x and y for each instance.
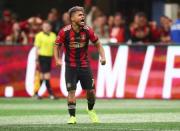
(103, 61)
(58, 63)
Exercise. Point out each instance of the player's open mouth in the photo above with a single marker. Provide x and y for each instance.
(82, 21)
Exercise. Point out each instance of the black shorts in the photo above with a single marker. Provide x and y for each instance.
(82, 74)
(45, 63)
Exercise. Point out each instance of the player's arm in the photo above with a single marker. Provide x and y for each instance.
(101, 52)
(58, 43)
(94, 39)
(57, 57)
(37, 45)
(37, 53)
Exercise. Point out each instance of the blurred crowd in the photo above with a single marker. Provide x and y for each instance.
(110, 29)
(14, 31)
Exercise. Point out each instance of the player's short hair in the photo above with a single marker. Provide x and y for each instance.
(74, 9)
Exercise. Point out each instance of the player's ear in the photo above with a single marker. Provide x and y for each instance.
(72, 18)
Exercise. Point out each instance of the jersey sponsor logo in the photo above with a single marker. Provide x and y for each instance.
(73, 45)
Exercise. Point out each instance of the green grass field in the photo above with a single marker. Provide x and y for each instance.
(29, 114)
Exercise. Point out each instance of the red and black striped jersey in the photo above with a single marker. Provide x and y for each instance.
(76, 45)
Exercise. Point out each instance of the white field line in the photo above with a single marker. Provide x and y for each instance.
(116, 118)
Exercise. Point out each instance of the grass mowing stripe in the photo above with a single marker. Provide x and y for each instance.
(83, 105)
(23, 114)
(124, 102)
(58, 111)
(117, 118)
(87, 128)
(95, 127)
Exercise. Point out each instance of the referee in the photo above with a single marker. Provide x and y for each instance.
(44, 43)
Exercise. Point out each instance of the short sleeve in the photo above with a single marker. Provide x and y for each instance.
(92, 36)
(60, 38)
(37, 41)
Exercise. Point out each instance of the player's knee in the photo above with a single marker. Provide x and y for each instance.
(90, 93)
(47, 75)
(71, 100)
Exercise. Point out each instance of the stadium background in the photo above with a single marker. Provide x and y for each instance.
(140, 83)
(127, 7)
(23, 8)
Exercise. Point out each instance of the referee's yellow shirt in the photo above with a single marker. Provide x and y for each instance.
(45, 43)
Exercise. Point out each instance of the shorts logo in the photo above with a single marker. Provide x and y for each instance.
(69, 85)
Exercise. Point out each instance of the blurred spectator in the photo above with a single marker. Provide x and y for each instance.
(5, 25)
(17, 36)
(53, 18)
(110, 22)
(65, 19)
(175, 30)
(165, 26)
(14, 17)
(139, 29)
(31, 27)
(118, 33)
(92, 15)
(34, 28)
(100, 27)
(154, 32)
(114, 29)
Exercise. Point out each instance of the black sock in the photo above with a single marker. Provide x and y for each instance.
(49, 87)
(72, 109)
(91, 102)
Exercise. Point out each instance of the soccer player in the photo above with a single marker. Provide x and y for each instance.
(44, 42)
(75, 39)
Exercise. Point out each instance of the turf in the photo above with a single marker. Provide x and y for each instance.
(29, 114)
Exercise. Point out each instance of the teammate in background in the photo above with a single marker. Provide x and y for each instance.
(44, 42)
(75, 39)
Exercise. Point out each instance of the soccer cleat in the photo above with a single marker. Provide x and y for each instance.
(93, 116)
(72, 120)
